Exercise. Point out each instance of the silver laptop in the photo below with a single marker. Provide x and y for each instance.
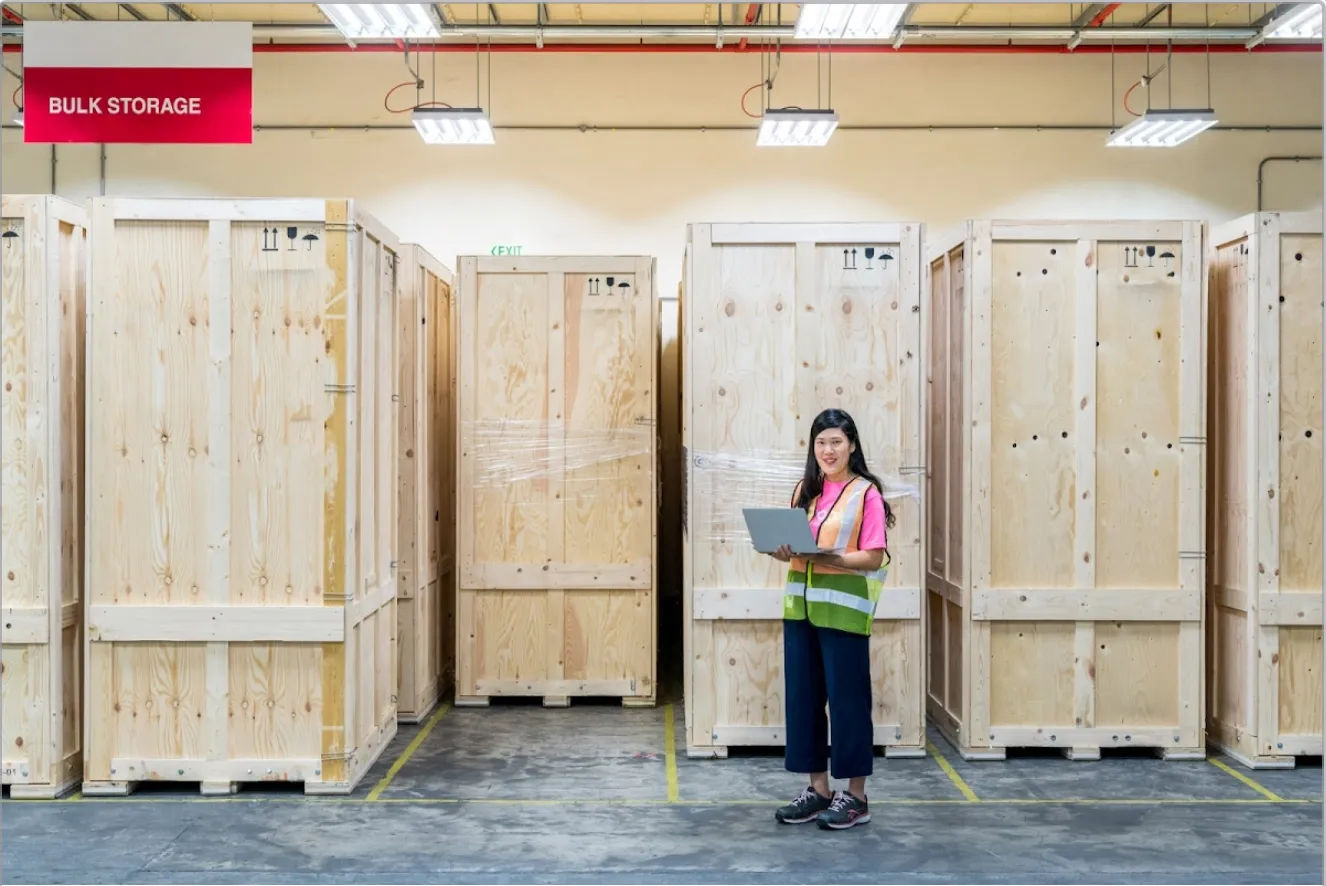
(770, 528)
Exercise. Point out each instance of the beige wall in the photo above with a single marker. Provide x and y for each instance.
(634, 192)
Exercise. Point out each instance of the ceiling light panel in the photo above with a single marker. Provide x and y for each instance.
(368, 21)
(849, 21)
(1162, 129)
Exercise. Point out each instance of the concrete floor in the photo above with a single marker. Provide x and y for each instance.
(595, 793)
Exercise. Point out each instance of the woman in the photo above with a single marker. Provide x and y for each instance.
(828, 609)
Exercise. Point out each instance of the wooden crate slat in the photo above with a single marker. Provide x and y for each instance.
(242, 483)
(1065, 582)
(557, 490)
(1264, 631)
(426, 604)
(44, 253)
(780, 321)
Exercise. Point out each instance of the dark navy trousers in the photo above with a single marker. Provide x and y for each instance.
(823, 665)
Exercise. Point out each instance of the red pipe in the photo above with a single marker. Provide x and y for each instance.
(751, 15)
(1103, 15)
(870, 49)
(12, 17)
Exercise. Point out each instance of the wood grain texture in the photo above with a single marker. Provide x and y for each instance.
(557, 478)
(1082, 347)
(1265, 426)
(43, 253)
(826, 324)
(235, 459)
(426, 602)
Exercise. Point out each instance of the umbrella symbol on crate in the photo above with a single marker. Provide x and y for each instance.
(623, 286)
(9, 236)
(309, 238)
(885, 258)
(1168, 257)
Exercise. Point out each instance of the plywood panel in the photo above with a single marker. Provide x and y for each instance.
(249, 476)
(43, 252)
(1074, 409)
(426, 603)
(827, 317)
(1266, 431)
(557, 488)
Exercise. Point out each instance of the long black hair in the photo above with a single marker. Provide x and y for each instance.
(812, 481)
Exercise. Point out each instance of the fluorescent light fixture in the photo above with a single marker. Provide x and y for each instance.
(453, 126)
(366, 21)
(849, 21)
(1162, 129)
(796, 129)
(1301, 23)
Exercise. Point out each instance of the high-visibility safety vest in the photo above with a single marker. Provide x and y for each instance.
(830, 597)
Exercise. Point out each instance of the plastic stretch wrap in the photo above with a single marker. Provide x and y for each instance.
(508, 451)
(725, 483)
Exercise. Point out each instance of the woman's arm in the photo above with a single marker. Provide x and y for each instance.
(861, 561)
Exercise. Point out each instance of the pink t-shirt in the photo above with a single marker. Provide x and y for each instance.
(874, 536)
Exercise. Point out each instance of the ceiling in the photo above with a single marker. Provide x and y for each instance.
(730, 23)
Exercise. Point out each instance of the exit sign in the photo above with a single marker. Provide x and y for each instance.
(506, 250)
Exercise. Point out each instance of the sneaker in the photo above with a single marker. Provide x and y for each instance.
(806, 807)
(844, 812)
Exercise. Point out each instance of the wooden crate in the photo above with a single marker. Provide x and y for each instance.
(1067, 430)
(426, 601)
(241, 493)
(781, 321)
(1264, 685)
(557, 482)
(44, 252)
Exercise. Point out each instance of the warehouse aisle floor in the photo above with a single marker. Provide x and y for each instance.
(595, 793)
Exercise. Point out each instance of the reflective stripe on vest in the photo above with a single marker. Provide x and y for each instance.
(826, 595)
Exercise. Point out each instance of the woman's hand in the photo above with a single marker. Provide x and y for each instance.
(783, 554)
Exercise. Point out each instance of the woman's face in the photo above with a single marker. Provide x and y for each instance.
(831, 451)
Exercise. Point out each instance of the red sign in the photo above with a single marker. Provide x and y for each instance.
(190, 85)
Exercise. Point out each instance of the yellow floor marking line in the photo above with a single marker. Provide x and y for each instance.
(670, 752)
(952, 773)
(647, 803)
(404, 758)
(1247, 781)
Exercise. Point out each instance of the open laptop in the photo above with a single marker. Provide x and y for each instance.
(771, 528)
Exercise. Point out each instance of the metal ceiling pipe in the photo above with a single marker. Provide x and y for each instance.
(710, 33)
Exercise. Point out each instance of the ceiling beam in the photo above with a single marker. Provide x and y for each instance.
(492, 10)
(133, 11)
(1274, 14)
(1089, 14)
(180, 11)
(1152, 15)
(77, 10)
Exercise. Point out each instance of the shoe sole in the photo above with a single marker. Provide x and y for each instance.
(807, 820)
(864, 819)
